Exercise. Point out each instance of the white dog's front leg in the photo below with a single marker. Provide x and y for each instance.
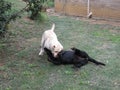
(41, 51)
(42, 46)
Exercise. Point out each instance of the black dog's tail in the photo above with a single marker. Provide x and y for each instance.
(96, 62)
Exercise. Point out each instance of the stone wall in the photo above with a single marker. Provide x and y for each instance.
(100, 8)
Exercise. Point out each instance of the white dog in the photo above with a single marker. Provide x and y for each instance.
(50, 41)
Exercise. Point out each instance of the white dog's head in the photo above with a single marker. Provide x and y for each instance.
(56, 49)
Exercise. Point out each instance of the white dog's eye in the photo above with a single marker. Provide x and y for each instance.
(56, 51)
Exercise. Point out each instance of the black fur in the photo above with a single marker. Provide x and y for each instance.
(83, 54)
(75, 56)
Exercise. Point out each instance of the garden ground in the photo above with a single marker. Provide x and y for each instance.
(22, 69)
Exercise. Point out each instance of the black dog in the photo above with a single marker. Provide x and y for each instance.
(75, 56)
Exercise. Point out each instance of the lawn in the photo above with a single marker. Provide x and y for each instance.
(22, 69)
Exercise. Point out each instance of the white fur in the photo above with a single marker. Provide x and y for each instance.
(50, 41)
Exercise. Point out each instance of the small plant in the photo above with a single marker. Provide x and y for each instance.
(6, 15)
(35, 7)
(50, 3)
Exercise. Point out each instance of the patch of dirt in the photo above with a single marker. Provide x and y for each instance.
(52, 12)
(1, 64)
(52, 80)
(29, 20)
(115, 31)
(100, 21)
(29, 42)
(104, 46)
(32, 40)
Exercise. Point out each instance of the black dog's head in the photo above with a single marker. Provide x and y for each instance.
(49, 53)
(51, 58)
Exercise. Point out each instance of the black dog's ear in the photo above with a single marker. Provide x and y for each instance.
(73, 48)
(45, 49)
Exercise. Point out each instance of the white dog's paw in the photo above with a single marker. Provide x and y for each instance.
(40, 53)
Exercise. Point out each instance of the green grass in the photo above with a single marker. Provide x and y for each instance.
(22, 69)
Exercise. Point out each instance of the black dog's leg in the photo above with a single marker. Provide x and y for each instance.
(79, 62)
(56, 62)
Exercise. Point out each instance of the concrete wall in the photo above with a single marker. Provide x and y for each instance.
(100, 8)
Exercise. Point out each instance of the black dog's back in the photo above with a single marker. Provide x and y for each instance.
(66, 57)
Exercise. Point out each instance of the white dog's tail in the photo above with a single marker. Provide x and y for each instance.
(53, 27)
